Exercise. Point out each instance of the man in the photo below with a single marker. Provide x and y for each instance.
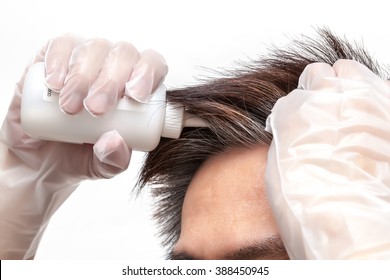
(209, 183)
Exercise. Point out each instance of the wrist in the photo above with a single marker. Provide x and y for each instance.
(28, 200)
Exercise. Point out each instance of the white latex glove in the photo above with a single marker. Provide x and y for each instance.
(37, 176)
(328, 169)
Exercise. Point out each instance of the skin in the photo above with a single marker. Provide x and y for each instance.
(226, 214)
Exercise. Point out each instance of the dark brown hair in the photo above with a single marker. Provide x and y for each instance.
(235, 108)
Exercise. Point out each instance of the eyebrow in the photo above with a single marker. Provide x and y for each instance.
(266, 249)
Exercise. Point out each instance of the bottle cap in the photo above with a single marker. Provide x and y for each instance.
(173, 122)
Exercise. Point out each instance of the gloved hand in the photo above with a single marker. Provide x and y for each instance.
(328, 168)
(37, 176)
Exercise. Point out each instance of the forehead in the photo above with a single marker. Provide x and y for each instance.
(226, 198)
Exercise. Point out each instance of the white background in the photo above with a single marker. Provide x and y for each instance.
(102, 219)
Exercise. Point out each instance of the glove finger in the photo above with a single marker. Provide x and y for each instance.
(351, 69)
(357, 75)
(84, 66)
(111, 155)
(110, 84)
(148, 75)
(317, 76)
(57, 56)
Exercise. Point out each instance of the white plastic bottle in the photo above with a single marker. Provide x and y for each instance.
(140, 124)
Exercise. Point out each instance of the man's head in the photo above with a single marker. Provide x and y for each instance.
(225, 209)
(208, 184)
